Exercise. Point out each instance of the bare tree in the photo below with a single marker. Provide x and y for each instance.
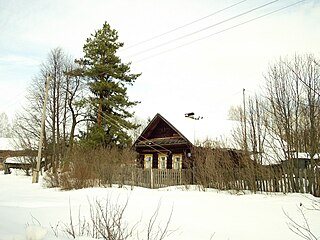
(287, 121)
(302, 227)
(287, 115)
(5, 127)
(142, 124)
(292, 92)
(250, 133)
(307, 71)
(62, 109)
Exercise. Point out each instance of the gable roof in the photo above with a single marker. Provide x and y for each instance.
(158, 119)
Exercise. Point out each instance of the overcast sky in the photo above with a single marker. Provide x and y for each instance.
(199, 68)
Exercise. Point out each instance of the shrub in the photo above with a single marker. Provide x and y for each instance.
(87, 167)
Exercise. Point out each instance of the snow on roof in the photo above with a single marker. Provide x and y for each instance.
(275, 157)
(25, 159)
(304, 155)
(17, 160)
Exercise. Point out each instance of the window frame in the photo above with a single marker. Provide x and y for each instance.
(148, 159)
(162, 163)
(175, 161)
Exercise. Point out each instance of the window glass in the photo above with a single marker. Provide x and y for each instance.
(162, 162)
(148, 161)
(177, 161)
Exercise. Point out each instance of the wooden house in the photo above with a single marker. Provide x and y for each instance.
(300, 160)
(162, 146)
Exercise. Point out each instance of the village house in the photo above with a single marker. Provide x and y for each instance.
(162, 146)
(300, 160)
(11, 156)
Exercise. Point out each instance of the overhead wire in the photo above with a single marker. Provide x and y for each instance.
(183, 26)
(120, 125)
(115, 122)
(204, 29)
(16, 98)
(221, 31)
(226, 29)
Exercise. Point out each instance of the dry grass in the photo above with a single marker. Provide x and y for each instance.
(1, 167)
(106, 220)
(227, 169)
(85, 167)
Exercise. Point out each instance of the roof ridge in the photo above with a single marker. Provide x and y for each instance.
(159, 116)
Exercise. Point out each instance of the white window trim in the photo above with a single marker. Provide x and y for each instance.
(174, 161)
(148, 161)
(160, 160)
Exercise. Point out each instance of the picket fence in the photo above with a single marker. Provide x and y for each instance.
(158, 178)
(302, 181)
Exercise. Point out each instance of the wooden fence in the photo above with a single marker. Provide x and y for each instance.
(300, 181)
(297, 181)
(157, 178)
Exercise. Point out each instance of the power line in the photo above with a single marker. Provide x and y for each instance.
(121, 125)
(203, 29)
(183, 26)
(216, 33)
(118, 124)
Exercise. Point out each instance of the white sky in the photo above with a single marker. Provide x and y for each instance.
(206, 77)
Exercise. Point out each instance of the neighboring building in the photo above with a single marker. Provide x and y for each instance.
(162, 146)
(302, 160)
(7, 146)
(12, 156)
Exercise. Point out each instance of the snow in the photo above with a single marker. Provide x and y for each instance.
(24, 159)
(17, 160)
(31, 211)
(304, 155)
(34, 232)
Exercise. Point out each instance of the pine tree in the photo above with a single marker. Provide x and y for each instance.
(108, 79)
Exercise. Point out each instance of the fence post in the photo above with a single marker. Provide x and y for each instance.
(132, 178)
(151, 178)
(317, 182)
(193, 175)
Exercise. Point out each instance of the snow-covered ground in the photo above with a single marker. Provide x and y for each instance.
(29, 210)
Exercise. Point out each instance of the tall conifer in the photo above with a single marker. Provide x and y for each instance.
(108, 79)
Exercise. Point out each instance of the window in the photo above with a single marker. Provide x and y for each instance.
(148, 161)
(176, 161)
(162, 161)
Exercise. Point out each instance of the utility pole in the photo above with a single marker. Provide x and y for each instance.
(245, 121)
(35, 174)
(192, 116)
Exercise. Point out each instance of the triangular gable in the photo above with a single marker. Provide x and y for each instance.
(153, 130)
